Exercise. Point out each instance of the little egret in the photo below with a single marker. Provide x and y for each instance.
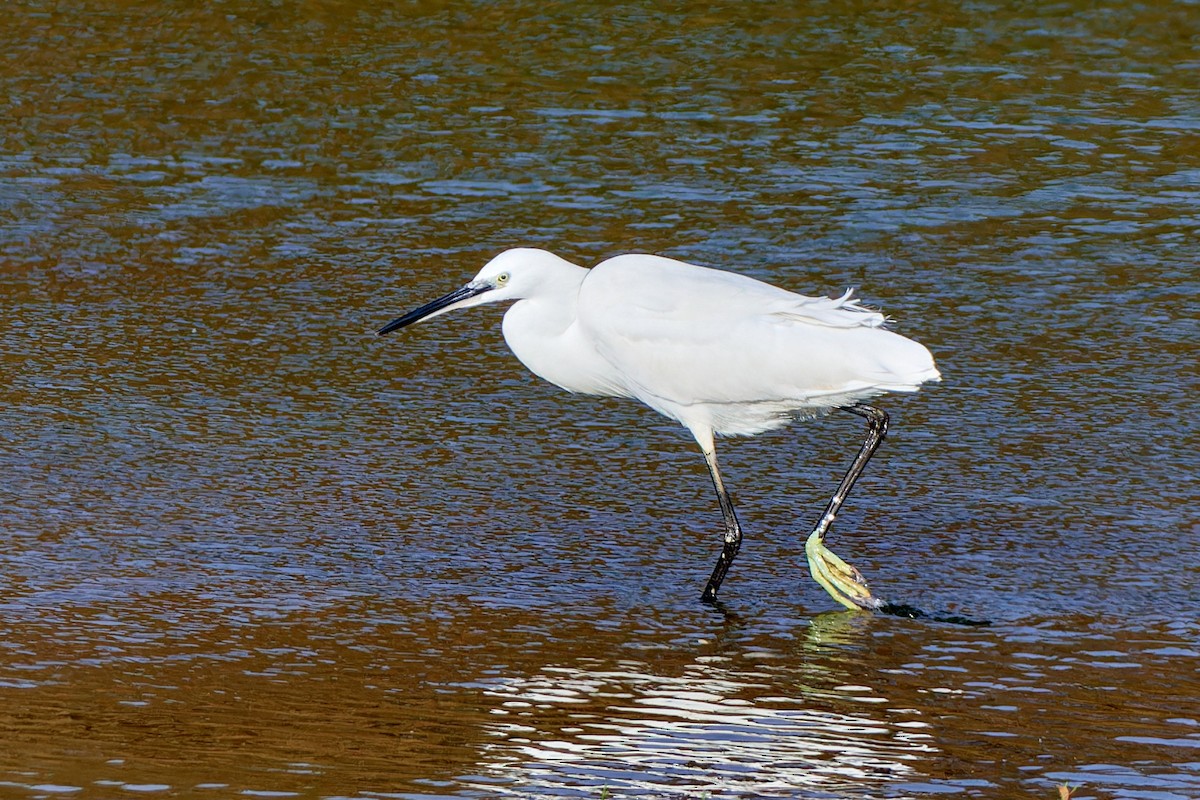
(719, 352)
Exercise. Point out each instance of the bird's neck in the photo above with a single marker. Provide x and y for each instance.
(542, 333)
(552, 309)
(540, 317)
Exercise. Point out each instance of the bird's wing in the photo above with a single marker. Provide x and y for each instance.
(692, 335)
(676, 290)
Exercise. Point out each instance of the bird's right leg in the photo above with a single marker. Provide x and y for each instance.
(843, 582)
(733, 531)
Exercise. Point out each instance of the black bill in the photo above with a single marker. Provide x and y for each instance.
(418, 314)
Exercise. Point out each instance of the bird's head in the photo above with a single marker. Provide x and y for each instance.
(512, 275)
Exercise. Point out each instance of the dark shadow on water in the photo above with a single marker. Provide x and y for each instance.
(725, 612)
(890, 609)
(912, 612)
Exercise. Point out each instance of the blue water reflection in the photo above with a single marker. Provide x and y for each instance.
(246, 547)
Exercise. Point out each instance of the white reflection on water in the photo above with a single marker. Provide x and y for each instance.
(630, 731)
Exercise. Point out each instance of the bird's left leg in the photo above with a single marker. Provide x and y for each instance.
(733, 531)
(844, 583)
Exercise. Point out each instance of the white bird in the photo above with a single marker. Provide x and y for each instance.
(719, 352)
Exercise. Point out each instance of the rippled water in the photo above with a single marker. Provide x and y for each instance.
(248, 549)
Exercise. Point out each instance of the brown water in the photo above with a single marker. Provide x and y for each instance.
(249, 550)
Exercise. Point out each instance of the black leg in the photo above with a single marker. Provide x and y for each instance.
(733, 531)
(877, 424)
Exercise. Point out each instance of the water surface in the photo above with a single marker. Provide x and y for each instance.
(247, 549)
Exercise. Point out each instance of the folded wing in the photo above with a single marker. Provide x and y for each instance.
(687, 337)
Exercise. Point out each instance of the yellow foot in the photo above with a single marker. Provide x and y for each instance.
(843, 582)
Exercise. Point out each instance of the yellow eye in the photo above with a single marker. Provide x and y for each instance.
(502, 279)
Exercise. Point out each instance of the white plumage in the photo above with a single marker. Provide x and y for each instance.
(721, 353)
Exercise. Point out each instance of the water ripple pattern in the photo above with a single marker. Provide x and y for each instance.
(249, 550)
